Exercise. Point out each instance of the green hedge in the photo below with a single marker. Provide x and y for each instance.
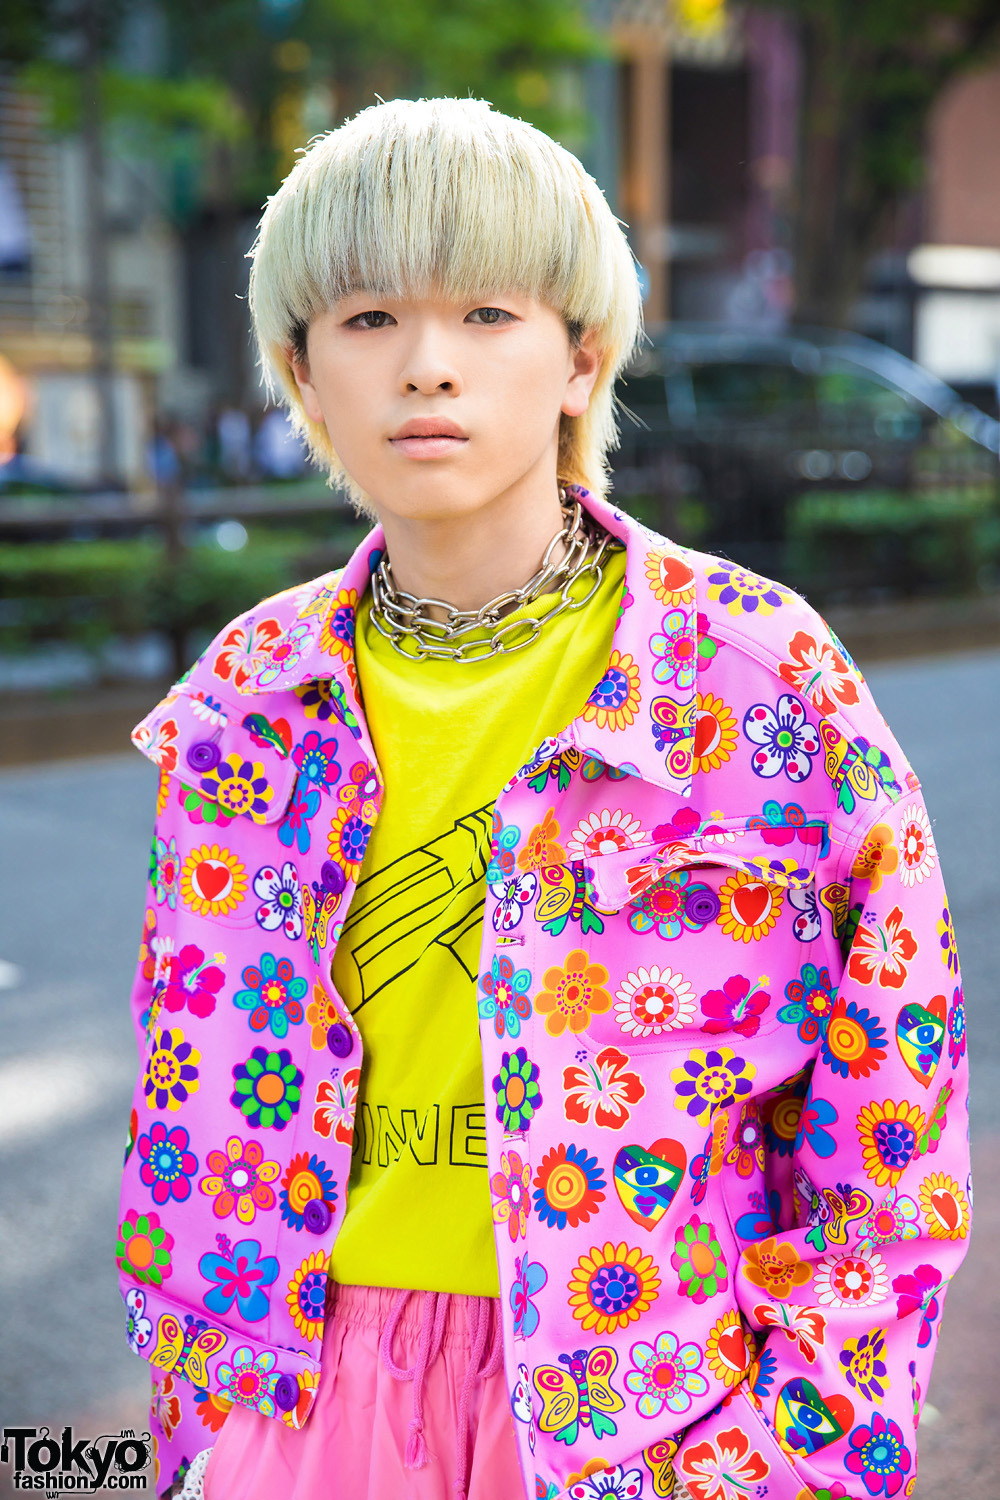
(88, 592)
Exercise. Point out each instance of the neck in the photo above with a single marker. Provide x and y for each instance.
(468, 559)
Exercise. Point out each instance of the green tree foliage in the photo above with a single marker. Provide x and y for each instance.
(240, 75)
(872, 71)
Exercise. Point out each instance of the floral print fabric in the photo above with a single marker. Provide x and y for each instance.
(722, 1031)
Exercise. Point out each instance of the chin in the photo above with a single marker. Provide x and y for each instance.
(434, 498)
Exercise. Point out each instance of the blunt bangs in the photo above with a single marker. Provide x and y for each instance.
(449, 195)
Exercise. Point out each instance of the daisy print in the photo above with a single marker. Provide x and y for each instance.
(652, 1001)
(605, 832)
(918, 856)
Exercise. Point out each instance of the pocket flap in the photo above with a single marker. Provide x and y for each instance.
(238, 759)
(621, 877)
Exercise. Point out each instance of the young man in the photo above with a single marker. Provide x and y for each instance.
(547, 974)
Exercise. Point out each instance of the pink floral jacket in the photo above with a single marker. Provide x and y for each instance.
(723, 1048)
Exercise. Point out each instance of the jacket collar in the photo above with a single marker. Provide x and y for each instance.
(628, 713)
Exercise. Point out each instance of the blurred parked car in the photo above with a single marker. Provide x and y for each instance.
(731, 437)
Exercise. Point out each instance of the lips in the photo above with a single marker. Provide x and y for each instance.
(428, 437)
(428, 427)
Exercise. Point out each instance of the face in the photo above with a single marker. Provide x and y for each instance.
(437, 408)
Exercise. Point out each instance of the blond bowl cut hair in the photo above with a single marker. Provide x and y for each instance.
(452, 196)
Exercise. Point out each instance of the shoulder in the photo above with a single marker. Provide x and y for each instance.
(244, 650)
(767, 655)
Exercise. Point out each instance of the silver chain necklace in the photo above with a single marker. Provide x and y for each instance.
(405, 620)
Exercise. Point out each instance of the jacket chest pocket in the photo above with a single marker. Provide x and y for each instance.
(699, 939)
(225, 846)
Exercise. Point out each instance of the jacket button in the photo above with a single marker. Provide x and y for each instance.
(203, 755)
(317, 1216)
(332, 877)
(286, 1392)
(339, 1040)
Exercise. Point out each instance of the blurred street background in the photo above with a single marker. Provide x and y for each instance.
(812, 192)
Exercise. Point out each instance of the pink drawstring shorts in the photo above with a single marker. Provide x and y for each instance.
(412, 1405)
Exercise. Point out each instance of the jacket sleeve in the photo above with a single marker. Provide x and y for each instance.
(871, 1205)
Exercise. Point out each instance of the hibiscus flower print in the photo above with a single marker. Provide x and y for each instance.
(738, 1006)
(244, 651)
(192, 980)
(159, 744)
(882, 952)
(239, 1273)
(919, 1293)
(603, 1086)
(334, 1106)
(820, 673)
(724, 1468)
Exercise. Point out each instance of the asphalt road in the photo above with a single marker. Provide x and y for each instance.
(74, 836)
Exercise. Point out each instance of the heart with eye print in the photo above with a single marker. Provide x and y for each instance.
(920, 1034)
(647, 1179)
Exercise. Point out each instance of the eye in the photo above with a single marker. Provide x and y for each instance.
(490, 316)
(373, 319)
(809, 1419)
(649, 1174)
(925, 1034)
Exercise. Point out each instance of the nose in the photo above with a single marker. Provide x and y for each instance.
(430, 363)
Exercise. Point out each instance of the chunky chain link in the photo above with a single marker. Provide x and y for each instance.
(404, 619)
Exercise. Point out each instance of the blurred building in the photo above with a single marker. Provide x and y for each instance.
(956, 266)
(44, 316)
(703, 114)
(695, 120)
(180, 332)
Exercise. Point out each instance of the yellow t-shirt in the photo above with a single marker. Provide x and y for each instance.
(447, 737)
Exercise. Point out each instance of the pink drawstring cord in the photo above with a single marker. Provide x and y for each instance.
(482, 1331)
(486, 1344)
(431, 1337)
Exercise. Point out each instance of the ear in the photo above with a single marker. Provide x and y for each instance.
(307, 391)
(587, 358)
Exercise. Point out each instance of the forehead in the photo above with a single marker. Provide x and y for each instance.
(436, 297)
